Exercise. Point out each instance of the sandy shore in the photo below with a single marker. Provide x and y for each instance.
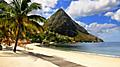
(77, 57)
(24, 58)
(9, 59)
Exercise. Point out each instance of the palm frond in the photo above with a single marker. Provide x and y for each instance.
(2, 15)
(37, 18)
(4, 6)
(24, 4)
(33, 6)
(16, 6)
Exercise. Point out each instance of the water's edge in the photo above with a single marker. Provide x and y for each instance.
(107, 49)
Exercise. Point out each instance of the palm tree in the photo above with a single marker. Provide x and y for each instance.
(16, 13)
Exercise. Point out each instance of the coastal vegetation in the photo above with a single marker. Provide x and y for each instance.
(14, 21)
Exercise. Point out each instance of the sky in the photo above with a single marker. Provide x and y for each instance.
(99, 17)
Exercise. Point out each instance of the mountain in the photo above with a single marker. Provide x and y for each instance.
(60, 22)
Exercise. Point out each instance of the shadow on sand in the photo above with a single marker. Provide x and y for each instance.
(55, 60)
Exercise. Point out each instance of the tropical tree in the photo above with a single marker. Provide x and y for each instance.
(16, 14)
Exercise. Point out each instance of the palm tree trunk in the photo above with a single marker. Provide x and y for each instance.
(17, 38)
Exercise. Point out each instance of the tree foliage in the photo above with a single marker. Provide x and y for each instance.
(15, 15)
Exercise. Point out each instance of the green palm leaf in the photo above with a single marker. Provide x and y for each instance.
(37, 18)
(15, 20)
(24, 4)
(32, 6)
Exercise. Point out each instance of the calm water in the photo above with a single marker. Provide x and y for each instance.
(105, 48)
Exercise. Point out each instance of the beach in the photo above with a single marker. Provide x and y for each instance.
(22, 60)
(87, 60)
(59, 33)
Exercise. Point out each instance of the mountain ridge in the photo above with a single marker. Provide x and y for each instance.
(60, 22)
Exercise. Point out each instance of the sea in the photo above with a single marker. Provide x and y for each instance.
(111, 49)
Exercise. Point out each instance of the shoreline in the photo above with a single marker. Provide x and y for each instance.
(36, 59)
(104, 55)
(89, 53)
(75, 48)
(81, 58)
(88, 60)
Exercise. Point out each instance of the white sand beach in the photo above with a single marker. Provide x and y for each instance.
(22, 61)
(89, 60)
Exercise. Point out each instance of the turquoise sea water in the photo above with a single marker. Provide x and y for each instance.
(105, 48)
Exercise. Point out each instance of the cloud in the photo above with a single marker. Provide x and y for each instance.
(111, 36)
(114, 15)
(47, 7)
(8, 1)
(101, 26)
(81, 23)
(109, 14)
(89, 7)
(98, 28)
(46, 3)
(108, 32)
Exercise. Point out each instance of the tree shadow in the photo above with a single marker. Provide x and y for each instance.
(56, 60)
(9, 53)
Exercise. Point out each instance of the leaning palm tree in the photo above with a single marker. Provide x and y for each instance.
(16, 13)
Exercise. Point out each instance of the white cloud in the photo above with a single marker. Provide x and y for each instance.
(107, 32)
(47, 6)
(8, 1)
(90, 7)
(46, 3)
(111, 36)
(96, 27)
(102, 26)
(81, 23)
(99, 27)
(114, 15)
(109, 14)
